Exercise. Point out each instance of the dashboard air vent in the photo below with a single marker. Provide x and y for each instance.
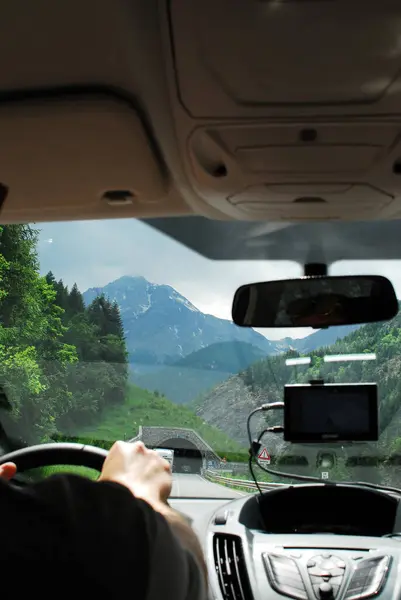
(284, 576)
(231, 568)
(368, 578)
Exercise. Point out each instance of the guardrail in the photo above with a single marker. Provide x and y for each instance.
(240, 483)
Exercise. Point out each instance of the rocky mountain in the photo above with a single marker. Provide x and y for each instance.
(181, 352)
(161, 326)
(188, 377)
(227, 407)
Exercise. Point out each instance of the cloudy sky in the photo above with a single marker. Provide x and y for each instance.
(93, 253)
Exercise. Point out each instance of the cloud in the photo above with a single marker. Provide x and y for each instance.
(93, 253)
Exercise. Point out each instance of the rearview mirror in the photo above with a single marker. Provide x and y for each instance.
(316, 302)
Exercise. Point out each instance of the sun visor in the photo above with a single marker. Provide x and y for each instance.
(77, 158)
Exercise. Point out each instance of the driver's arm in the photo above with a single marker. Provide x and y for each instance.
(127, 542)
(118, 532)
(179, 559)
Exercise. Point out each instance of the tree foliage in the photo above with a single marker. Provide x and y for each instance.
(61, 363)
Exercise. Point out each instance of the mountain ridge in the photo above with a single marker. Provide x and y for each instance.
(178, 350)
(160, 324)
(188, 377)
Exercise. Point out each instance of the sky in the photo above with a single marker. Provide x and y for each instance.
(94, 253)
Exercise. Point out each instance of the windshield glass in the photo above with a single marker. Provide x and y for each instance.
(111, 330)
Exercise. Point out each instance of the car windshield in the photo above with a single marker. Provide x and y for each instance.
(111, 330)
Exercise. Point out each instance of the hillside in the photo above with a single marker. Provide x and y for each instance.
(161, 325)
(144, 408)
(265, 379)
(227, 406)
(319, 339)
(188, 377)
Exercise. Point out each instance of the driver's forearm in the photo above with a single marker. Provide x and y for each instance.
(184, 532)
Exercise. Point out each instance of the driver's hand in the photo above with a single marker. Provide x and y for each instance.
(142, 471)
(8, 470)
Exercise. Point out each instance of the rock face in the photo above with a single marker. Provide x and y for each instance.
(227, 407)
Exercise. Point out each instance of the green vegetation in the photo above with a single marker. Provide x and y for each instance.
(36, 474)
(144, 408)
(384, 339)
(61, 364)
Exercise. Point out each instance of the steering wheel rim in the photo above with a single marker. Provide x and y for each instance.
(46, 455)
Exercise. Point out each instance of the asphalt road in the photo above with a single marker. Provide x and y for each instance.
(194, 486)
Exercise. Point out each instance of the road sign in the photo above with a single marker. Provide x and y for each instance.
(325, 475)
(264, 456)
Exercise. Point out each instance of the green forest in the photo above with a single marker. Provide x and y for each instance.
(61, 363)
(64, 366)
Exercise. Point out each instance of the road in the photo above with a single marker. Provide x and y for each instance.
(194, 486)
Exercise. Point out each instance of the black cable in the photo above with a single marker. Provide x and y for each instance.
(274, 429)
(251, 447)
(248, 427)
(254, 447)
(250, 465)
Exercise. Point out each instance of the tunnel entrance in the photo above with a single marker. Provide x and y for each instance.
(187, 457)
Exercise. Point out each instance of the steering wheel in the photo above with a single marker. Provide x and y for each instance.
(45, 455)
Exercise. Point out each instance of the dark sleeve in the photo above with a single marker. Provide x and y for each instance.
(118, 542)
(176, 573)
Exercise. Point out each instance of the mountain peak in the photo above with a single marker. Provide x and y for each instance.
(162, 324)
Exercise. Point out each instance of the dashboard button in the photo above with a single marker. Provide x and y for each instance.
(325, 590)
(221, 518)
(337, 572)
(319, 572)
(340, 564)
(336, 580)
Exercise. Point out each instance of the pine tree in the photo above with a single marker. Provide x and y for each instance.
(117, 322)
(99, 313)
(62, 295)
(50, 279)
(75, 302)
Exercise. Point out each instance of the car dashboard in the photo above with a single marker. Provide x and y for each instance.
(306, 542)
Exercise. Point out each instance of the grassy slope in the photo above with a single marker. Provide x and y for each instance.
(144, 408)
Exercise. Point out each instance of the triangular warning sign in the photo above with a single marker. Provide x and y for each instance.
(264, 455)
